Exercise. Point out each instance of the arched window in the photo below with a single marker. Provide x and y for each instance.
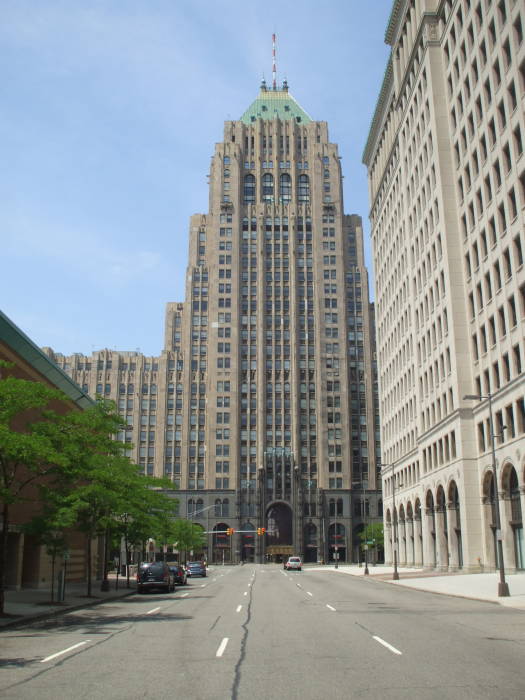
(267, 187)
(225, 507)
(153, 389)
(191, 507)
(131, 388)
(218, 508)
(285, 188)
(303, 189)
(249, 191)
(331, 506)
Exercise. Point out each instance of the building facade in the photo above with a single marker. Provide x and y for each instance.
(262, 408)
(447, 191)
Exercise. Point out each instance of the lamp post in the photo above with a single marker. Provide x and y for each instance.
(198, 512)
(503, 587)
(366, 572)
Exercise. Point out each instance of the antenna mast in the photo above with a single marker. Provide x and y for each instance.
(274, 69)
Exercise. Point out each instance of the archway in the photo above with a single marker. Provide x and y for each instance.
(402, 535)
(248, 543)
(514, 516)
(441, 529)
(310, 543)
(221, 544)
(279, 532)
(456, 554)
(336, 542)
(489, 507)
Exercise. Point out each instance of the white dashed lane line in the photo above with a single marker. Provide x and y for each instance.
(239, 608)
(222, 647)
(245, 592)
(184, 595)
(150, 612)
(387, 645)
(330, 608)
(64, 651)
(309, 593)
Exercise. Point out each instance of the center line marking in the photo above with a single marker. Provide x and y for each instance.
(387, 645)
(152, 611)
(309, 593)
(64, 651)
(239, 608)
(222, 647)
(330, 607)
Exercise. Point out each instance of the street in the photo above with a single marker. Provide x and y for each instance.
(258, 632)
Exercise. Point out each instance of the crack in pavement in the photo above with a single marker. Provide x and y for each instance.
(242, 655)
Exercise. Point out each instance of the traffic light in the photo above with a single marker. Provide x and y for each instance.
(230, 531)
(258, 530)
(263, 530)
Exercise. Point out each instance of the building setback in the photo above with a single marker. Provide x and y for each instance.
(447, 189)
(261, 408)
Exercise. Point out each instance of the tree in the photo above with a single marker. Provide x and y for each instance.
(29, 450)
(188, 535)
(373, 532)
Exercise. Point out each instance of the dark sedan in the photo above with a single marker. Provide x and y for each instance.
(180, 575)
(195, 568)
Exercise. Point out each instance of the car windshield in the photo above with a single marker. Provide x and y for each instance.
(294, 559)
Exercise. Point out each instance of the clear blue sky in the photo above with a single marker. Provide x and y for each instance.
(110, 112)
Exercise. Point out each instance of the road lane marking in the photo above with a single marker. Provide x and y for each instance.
(150, 612)
(245, 592)
(298, 585)
(387, 645)
(64, 651)
(222, 647)
(309, 593)
(203, 585)
(331, 608)
(184, 595)
(239, 608)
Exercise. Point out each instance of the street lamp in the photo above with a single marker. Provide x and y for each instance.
(503, 587)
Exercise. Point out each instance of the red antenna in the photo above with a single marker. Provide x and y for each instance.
(274, 69)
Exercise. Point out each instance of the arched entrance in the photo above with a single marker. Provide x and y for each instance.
(441, 529)
(310, 543)
(279, 532)
(336, 542)
(248, 543)
(456, 554)
(489, 502)
(221, 544)
(431, 529)
(515, 517)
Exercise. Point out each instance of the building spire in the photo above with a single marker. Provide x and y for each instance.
(274, 68)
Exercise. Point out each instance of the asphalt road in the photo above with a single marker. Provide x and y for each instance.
(256, 632)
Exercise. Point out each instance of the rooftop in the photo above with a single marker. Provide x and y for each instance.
(272, 103)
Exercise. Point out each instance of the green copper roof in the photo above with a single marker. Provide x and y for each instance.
(275, 103)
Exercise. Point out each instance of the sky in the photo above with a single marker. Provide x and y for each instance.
(109, 114)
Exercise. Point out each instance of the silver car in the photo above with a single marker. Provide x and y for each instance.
(293, 563)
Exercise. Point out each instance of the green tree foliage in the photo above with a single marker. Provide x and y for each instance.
(373, 532)
(28, 451)
(188, 536)
(84, 478)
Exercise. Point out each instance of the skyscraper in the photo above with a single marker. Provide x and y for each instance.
(261, 408)
(447, 187)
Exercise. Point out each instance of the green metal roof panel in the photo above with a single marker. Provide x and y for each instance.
(19, 342)
(275, 103)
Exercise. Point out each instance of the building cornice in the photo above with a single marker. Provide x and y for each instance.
(379, 112)
(393, 21)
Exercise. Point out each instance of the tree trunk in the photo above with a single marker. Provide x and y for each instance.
(3, 555)
(88, 557)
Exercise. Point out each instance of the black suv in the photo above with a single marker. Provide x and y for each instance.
(155, 574)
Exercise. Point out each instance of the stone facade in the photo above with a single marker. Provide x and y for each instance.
(447, 190)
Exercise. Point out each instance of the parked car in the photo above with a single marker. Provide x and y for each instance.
(294, 563)
(179, 573)
(155, 574)
(195, 568)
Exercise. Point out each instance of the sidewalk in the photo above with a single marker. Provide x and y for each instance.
(474, 586)
(31, 604)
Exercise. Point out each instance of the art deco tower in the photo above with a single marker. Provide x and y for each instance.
(275, 337)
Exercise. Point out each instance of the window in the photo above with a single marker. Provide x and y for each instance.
(303, 190)
(285, 188)
(267, 187)
(249, 189)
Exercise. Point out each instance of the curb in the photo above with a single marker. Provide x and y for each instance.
(38, 617)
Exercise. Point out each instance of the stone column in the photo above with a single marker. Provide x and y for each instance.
(429, 556)
(418, 544)
(441, 540)
(410, 542)
(389, 559)
(452, 538)
(509, 554)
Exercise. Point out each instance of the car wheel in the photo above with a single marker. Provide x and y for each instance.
(140, 589)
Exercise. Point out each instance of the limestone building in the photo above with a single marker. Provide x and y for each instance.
(447, 190)
(262, 407)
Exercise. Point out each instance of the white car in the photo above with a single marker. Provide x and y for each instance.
(293, 563)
